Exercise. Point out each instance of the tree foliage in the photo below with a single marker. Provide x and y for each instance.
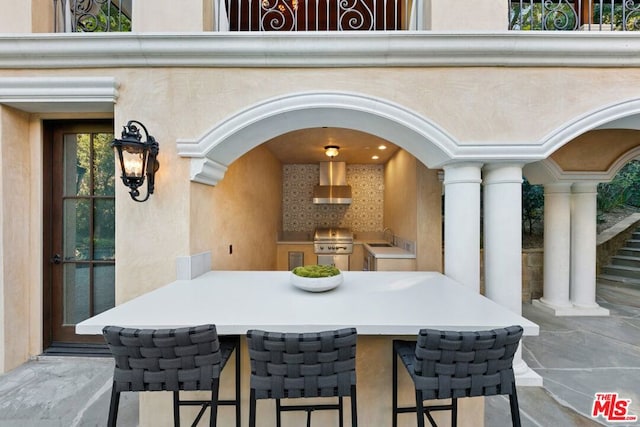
(532, 205)
(623, 190)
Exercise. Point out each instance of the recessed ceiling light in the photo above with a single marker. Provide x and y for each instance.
(375, 157)
(382, 147)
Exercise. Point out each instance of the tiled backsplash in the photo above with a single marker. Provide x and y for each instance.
(364, 214)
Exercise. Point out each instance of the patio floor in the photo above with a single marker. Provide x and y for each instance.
(576, 356)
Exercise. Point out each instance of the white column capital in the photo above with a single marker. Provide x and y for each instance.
(462, 173)
(584, 187)
(502, 173)
(557, 187)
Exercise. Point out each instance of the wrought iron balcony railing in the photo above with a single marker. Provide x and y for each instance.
(92, 15)
(571, 15)
(315, 15)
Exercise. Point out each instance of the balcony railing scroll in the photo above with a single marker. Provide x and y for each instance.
(92, 15)
(316, 15)
(574, 15)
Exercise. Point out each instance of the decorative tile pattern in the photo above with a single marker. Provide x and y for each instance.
(362, 215)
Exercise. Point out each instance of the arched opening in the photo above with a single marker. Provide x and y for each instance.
(264, 163)
(585, 153)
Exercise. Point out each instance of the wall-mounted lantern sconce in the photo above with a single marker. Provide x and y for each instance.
(137, 158)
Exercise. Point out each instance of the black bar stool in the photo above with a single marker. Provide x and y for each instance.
(172, 360)
(450, 365)
(290, 365)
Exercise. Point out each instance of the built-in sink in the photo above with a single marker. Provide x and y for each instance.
(380, 245)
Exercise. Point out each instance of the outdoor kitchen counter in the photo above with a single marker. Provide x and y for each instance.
(389, 252)
(381, 305)
(388, 303)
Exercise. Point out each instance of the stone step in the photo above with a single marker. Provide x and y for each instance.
(629, 251)
(622, 270)
(618, 280)
(633, 243)
(629, 261)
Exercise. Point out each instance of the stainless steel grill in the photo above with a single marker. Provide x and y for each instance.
(333, 241)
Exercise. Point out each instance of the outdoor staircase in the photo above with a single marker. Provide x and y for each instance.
(624, 267)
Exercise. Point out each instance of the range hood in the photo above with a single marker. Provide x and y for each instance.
(333, 188)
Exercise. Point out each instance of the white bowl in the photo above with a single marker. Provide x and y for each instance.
(316, 284)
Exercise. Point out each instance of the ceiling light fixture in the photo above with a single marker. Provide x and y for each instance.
(382, 147)
(331, 150)
(374, 157)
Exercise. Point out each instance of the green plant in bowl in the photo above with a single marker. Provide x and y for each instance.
(315, 271)
(316, 278)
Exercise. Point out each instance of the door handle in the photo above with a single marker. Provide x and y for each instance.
(57, 259)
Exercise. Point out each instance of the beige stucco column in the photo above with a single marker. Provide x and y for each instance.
(583, 250)
(502, 220)
(26, 16)
(485, 15)
(462, 223)
(557, 248)
(19, 278)
(170, 16)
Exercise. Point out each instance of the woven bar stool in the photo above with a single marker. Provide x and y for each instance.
(288, 365)
(450, 365)
(172, 360)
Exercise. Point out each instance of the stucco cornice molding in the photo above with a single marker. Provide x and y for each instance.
(31, 93)
(321, 49)
(207, 171)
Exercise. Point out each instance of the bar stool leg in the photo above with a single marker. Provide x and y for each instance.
(215, 388)
(238, 398)
(252, 408)
(515, 410)
(340, 414)
(176, 409)
(394, 398)
(354, 407)
(419, 408)
(113, 406)
(454, 412)
(278, 419)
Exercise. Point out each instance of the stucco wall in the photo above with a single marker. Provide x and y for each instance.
(412, 207)
(16, 267)
(243, 211)
(430, 231)
(400, 204)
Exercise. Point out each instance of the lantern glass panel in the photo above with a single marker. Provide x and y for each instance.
(133, 160)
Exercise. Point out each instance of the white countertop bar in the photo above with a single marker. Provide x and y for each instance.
(376, 303)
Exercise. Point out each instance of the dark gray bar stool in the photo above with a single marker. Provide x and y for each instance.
(450, 365)
(289, 365)
(172, 360)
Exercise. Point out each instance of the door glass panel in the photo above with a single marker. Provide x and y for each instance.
(77, 163)
(103, 230)
(103, 165)
(76, 231)
(104, 296)
(76, 293)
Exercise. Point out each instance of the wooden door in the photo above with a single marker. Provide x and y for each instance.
(79, 226)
